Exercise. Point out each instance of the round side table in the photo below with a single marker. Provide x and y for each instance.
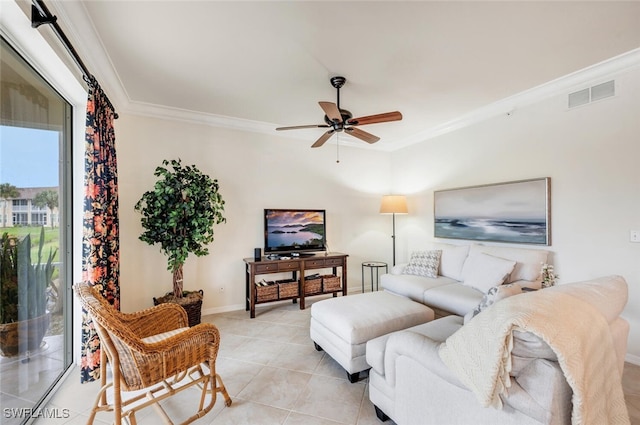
(374, 265)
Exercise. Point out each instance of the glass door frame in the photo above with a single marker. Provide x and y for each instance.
(15, 28)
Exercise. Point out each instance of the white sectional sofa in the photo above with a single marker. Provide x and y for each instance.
(465, 273)
(410, 382)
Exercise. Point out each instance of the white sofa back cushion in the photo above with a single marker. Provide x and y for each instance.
(528, 261)
(452, 259)
(483, 271)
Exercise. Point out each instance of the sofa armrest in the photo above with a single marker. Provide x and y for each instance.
(538, 387)
(398, 268)
(420, 348)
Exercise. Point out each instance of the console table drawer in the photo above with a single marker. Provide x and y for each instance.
(288, 265)
(332, 262)
(269, 267)
(314, 264)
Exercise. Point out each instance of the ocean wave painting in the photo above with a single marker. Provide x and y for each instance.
(515, 212)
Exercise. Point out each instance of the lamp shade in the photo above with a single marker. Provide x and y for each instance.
(394, 204)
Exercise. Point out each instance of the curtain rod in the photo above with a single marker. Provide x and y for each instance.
(40, 15)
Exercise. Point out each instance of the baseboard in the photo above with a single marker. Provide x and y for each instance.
(236, 307)
(224, 309)
(632, 359)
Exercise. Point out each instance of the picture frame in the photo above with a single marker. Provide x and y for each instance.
(512, 212)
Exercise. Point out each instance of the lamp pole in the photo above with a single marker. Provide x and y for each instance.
(393, 204)
(393, 237)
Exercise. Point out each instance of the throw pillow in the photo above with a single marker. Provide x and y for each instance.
(483, 271)
(492, 296)
(424, 263)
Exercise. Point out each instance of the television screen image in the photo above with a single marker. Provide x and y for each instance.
(294, 230)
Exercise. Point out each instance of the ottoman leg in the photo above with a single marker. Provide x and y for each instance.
(353, 377)
(318, 348)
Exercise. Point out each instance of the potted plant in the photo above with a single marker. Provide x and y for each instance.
(24, 318)
(179, 214)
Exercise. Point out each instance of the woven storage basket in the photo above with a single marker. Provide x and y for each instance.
(191, 302)
(267, 293)
(313, 286)
(330, 283)
(287, 288)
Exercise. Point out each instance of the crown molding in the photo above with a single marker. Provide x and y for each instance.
(560, 86)
(85, 37)
(564, 85)
(79, 28)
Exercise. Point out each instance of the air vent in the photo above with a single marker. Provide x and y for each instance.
(578, 98)
(592, 94)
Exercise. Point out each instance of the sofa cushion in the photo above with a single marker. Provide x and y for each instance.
(411, 286)
(492, 296)
(527, 345)
(452, 259)
(453, 297)
(528, 261)
(424, 263)
(483, 271)
(438, 330)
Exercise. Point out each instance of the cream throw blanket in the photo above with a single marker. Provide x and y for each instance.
(480, 352)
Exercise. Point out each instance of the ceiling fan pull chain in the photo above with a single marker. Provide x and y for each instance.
(337, 148)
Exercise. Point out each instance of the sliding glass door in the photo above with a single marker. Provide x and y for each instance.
(35, 225)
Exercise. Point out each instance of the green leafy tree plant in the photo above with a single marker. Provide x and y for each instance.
(7, 191)
(47, 198)
(179, 214)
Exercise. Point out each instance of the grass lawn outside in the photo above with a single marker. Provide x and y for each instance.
(51, 240)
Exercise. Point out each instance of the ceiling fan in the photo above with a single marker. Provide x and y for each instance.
(337, 119)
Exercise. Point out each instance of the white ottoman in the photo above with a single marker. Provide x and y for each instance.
(342, 326)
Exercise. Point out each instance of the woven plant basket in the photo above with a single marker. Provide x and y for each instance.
(191, 301)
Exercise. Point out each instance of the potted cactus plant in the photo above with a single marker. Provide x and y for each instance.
(179, 214)
(24, 318)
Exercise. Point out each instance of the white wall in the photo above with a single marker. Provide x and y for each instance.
(592, 155)
(589, 152)
(255, 171)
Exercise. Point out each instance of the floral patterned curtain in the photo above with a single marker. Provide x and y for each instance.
(100, 244)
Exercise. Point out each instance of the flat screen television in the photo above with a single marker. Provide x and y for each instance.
(289, 231)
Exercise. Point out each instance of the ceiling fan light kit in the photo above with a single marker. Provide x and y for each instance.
(338, 120)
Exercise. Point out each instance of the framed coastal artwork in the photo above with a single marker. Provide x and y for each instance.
(514, 212)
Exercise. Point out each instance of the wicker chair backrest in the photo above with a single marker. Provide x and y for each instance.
(107, 316)
(114, 333)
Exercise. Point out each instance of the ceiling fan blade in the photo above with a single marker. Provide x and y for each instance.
(361, 134)
(299, 127)
(373, 119)
(326, 136)
(331, 110)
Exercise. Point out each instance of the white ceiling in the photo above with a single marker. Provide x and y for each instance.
(262, 64)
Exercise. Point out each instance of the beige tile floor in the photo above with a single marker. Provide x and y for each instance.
(274, 376)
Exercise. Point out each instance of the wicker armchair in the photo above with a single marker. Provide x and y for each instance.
(154, 350)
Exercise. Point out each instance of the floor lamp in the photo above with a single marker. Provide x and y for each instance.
(394, 204)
